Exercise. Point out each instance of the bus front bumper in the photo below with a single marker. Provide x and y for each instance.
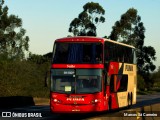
(60, 108)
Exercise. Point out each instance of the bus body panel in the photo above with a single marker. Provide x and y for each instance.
(77, 66)
(131, 70)
(121, 79)
(62, 103)
(80, 39)
(120, 71)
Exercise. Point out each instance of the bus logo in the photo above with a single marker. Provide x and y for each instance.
(75, 102)
(70, 66)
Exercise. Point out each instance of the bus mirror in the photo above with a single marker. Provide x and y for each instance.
(104, 72)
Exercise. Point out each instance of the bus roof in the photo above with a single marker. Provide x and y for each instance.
(80, 39)
(119, 43)
(89, 39)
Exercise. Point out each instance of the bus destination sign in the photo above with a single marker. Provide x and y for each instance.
(68, 72)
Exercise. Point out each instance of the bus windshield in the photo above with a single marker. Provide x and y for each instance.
(78, 85)
(77, 53)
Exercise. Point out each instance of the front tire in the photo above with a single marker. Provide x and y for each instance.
(110, 103)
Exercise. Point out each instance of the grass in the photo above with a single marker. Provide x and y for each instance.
(41, 101)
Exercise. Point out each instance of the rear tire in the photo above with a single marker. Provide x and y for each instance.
(129, 100)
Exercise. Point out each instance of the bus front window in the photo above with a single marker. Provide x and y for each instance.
(63, 84)
(88, 84)
(82, 84)
(77, 53)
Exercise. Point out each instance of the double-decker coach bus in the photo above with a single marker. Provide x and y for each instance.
(90, 74)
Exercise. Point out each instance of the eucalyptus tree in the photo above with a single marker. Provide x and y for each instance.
(129, 29)
(87, 21)
(13, 42)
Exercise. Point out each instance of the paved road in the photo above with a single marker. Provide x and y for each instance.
(44, 111)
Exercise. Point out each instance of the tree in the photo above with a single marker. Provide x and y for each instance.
(140, 83)
(156, 76)
(40, 59)
(13, 42)
(129, 29)
(88, 20)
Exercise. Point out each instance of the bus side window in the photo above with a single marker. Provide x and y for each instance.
(109, 55)
(123, 83)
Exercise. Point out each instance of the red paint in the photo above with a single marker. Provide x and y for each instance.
(68, 104)
(81, 39)
(82, 103)
(100, 66)
(63, 103)
(113, 69)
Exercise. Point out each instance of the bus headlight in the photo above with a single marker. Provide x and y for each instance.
(95, 101)
(56, 100)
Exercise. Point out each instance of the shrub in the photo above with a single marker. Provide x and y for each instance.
(23, 78)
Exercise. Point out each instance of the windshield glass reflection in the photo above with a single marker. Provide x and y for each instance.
(77, 53)
(81, 84)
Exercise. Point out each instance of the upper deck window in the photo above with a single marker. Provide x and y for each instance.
(77, 53)
(119, 53)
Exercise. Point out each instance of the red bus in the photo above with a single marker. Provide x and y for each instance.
(90, 74)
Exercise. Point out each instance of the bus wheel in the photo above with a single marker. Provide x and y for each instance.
(110, 103)
(129, 100)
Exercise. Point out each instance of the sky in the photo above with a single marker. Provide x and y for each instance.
(47, 20)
